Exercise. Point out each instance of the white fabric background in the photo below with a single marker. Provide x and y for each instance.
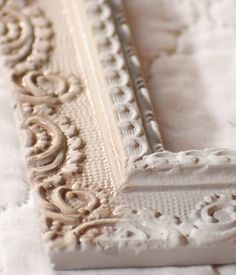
(188, 51)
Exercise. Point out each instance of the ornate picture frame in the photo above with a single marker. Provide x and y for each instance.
(108, 193)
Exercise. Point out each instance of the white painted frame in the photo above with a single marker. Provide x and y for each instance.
(146, 161)
(83, 225)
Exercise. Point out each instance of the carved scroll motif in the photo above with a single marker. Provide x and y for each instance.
(54, 148)
(26, 39)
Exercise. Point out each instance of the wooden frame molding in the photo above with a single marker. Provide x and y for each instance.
(108, 193)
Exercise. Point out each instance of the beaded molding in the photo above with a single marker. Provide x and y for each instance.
(136, 122)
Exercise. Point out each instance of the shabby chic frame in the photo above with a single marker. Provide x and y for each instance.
(108, 193)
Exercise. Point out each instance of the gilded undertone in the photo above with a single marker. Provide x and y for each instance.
(75, 216)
